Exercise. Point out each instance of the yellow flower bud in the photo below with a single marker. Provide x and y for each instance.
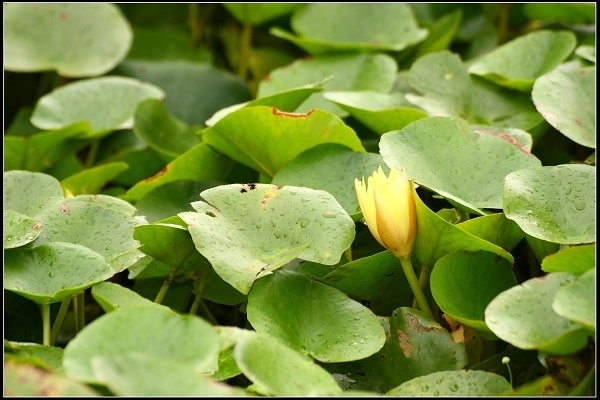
(389, 210)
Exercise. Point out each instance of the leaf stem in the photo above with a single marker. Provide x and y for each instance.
(348, 253)
(81, 309)
(45, 308)
(58, 321)
(92, 153)
(165, 286)
(414, 286)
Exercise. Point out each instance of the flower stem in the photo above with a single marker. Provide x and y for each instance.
(409, 272)
(46, 323)
(244, 53)
(62, 312)
(423, 278)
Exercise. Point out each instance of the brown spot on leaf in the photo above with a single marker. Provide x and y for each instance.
(268, 195)
(413, 323)
(63, 15)
(158, 174)
(37, 225)
(64, 208)
(404, 342)
(284, 114)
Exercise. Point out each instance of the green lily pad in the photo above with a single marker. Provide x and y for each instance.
(112, 296)
(313, 318)
(323, 28)
(574, 259)
(275, 369)
(376, 280)
(19, 229)
(167, 243)
(566, 98)
(154, 125)
(92, 180)
(374, 72)
(494, 228)
(576, 301)
(415, 346)
(47, 357)
(77, 40)
(110, 202)
(518, 137)
(381, 112)
(247, 231)
(42, 150)
(523, 316)
(287, 101)
(29, 193)
(567, 13)
(464, 283)
(445, 155)
(437, 237)
(442, 32)
(185, 168)
(454, 383)
(258, 13)
(22, 380)
(554, 203)
(52, 272)
(193, 91)
(518, 63)
(106, 103)
(265, 138)
(138, 374)
(106, 231)
(156, 332)
(330, 167)
(445, 88)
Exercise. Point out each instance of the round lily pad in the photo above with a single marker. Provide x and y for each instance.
(19, 229)
(75, 39)
(247, 231)
(454, 383)
(523, 316)
(576, 301)
(555, 203)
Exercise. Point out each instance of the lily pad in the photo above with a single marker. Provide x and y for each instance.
(19, 229)
(29, 193)
(587, 53)
(247, 231)
(52, 272)
(376, 281)
(158, 129)
(105, 231)
(193, 91)
(323, 28)
(167, 243)
(46, 357)
(574, 259)
(576, 301)
(494, 228)
(75, 39)
(567, 99)
(185, 168)
(555, 203)
(537, 53)
(464, 283)
(445, 155)
(454, 383)
(287, 101)
(437, 237)
(110, 202)
(445, 88)
(92, 180)
(381, 112)
(106, 103)
(374, 72)
(523, 316)
(112, 296)
(265, 138)
(313, 318)
(156, 332)
(138, 374)
(275, 369)
(330, 167)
